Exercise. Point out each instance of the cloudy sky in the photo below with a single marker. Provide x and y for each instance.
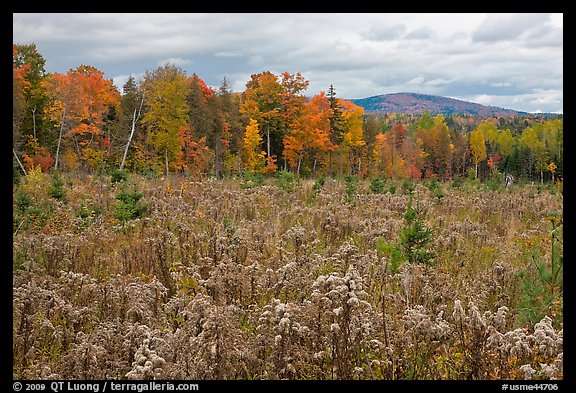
(510, 60)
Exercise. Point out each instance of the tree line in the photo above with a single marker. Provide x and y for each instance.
(169, 122)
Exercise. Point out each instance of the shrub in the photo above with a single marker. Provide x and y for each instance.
(431, 184)
(35, 182)
(118, 175)
(351, 183)
(23, 200)
(56, 190)
(392, 252)
(286, 181)
(318, 184)
(87, 212)
(316, 187)
(16, 176)
(377, 185)
(435, 188)
(408, 186)
(251, 180)
(457, 182)
(129, 206)
(494, 182)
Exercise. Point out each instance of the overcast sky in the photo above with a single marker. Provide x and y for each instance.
(510, 60)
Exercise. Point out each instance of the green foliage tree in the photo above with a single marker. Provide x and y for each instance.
(208, 119)
(532, 148)
(166, 112)
(28, 59)
(230, 107)
(541, 281)
(336, 120)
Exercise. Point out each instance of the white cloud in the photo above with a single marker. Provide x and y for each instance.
(177, 61)
(534, 102)
(500, 84)
(360, 54)
(502, 27)
(420, 33)
(227, 54)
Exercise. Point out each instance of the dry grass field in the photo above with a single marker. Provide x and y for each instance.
(170, 278)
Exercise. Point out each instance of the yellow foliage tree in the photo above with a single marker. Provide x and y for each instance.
(252, 141)
(477, 147)
(353, 135)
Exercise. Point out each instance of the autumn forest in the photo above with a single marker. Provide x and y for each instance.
(177, 231)
(173, 123)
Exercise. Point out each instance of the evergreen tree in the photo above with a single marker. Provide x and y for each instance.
(336, 120)
(230, 107)
(415, 238)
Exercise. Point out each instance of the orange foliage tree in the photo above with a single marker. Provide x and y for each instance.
(311, 136)
(262, 98)
(276, 103)
(437, 144)
(194, 155)
(81, 101)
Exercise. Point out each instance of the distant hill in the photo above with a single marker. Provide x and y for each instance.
(419, 103)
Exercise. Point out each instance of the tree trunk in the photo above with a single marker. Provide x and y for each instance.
(314, 167)
(34, 120)
(19, 162)
(134, 119)
(129, 140)
(299, 162)
(60, 139)
(218, 158)
(166, 159)
(394, 174)
(268, 142)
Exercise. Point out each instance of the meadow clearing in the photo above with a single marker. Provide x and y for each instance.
(130, 277)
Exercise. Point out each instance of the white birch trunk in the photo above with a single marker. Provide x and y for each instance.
(34, 120)
(166, 159)
(60, 139)
(134, 119)
(19, 162)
